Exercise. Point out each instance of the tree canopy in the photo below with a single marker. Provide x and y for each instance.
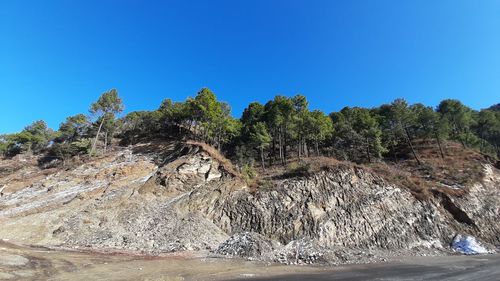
(281, 129)
(105, 108)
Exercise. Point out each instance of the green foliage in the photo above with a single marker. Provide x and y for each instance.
(74, 127)
(279, 116)
(82, 145)
(298, 169)
(248, 172)
(487, 128)
(260, 138)
(64, 151)
(4, 144)
(495, 108)
(319, 127)
(176, 115)
(138, 124)
(33, 138)
(212, 119)
(398, 123)
(427, 122)
(259, 135)
(252, 114)
(105, 108)
(270, 131)
(459, 117)
(357, 135)
(107, 102)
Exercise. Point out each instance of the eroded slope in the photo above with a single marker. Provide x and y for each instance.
(166, 198)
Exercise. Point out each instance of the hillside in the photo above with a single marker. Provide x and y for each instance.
(163, 197)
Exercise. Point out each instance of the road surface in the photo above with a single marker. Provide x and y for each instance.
(20, 262)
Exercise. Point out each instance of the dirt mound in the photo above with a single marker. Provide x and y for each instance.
(246, 244)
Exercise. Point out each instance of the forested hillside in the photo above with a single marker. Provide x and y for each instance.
(267, 134)
(281, 184)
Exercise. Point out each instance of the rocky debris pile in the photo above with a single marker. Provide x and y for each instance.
(247, 245)
(303, 251)
(139, 224)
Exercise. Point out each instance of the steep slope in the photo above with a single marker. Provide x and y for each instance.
(161, 198)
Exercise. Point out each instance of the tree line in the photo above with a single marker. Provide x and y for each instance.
(267, 134)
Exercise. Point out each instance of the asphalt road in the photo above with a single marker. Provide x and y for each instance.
(21, 262)
(486, 267)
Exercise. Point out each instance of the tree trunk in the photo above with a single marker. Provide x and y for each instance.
(463, 143)
(317, 148)
(281, 148)
(219, 137)
(368, 151)
(306, 149)
(273, 148)
(285, 144)
(61, 155)
(262, 157)
(299, 146)
(393, 151)
(96, 136)
(105, 141)
(411, 146)
(439, 144)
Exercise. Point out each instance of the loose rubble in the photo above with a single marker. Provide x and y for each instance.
(247, 244)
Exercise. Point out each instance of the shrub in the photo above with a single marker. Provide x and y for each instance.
(248, 172)
(64, 151)
(299, 168)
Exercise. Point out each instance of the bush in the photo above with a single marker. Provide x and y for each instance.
(265, 185)
(299, 168)
(248, 172)
(64, 151)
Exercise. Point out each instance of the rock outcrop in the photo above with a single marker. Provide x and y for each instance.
(185, 201)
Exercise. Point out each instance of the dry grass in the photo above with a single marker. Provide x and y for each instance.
(157, 146)
(304, 167)
(400, 177)
(460, 166)
(452, 175)
(215, 154)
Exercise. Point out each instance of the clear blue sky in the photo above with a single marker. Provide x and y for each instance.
(56, 57)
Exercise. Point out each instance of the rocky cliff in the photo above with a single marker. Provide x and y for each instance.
(166, 198)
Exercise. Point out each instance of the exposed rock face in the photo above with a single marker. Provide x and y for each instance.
(188, 171)
(348, 208)
(185, 201)
(354, 209)
(482, 206)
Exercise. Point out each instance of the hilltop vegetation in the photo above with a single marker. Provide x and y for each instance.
(282, 184)
(267, 134)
